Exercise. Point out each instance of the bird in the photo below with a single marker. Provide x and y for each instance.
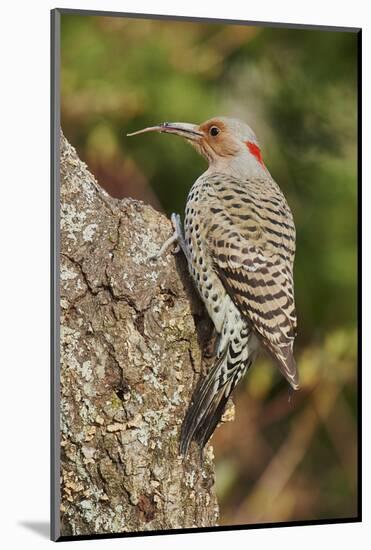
(239, 241)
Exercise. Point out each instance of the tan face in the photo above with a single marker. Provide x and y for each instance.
(217, 140)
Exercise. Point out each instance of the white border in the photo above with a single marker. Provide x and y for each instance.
(24, 227)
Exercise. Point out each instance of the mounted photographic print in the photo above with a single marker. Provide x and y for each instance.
(205, 193)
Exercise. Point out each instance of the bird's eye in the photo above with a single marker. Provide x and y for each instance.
(214, 131)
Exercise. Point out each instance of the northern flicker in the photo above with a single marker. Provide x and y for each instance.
(239, 241)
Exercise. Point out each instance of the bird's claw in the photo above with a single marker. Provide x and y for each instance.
(177, 237)
(175, 220)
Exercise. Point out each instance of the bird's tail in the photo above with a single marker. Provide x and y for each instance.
(210, 397)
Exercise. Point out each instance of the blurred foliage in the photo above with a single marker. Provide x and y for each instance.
(280, 460)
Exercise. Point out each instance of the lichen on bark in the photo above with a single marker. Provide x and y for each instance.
(132, 334)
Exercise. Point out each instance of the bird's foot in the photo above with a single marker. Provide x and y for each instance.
(177, 236)
(165, 246)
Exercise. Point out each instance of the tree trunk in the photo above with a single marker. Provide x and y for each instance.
(132, 331)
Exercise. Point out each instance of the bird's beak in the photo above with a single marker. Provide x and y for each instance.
(184, 129)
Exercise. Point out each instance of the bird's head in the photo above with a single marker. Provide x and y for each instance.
(220, 140)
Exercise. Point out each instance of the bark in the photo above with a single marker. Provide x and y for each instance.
(132, 331)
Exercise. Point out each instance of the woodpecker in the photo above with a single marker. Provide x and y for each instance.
(239, 242)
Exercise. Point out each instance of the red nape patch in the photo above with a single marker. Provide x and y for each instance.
(254, 150)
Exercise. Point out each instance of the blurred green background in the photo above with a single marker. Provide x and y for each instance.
(280, 460)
